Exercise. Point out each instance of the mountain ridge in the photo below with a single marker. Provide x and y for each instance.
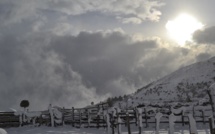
(185, 84)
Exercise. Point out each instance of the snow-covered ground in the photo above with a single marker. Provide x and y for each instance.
(202, 129)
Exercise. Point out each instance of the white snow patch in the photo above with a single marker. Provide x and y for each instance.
(2, 131)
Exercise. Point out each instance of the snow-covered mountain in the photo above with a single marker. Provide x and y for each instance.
(185, 84)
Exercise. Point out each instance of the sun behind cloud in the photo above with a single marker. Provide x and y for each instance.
(182, 27)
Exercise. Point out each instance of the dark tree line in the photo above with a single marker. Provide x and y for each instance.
(112, 100)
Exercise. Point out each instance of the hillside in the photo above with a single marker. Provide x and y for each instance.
(185, 84)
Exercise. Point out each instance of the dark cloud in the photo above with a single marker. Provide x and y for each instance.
(206, 36)
(28, 70)
(116, 64)
(75, 70)
(102, 57)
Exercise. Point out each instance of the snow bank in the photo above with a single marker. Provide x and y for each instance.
(2, 131)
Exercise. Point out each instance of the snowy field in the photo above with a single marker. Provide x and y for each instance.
(202, 129)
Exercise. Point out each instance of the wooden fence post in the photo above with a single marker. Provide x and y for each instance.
(51, 115)
(34, 121)
(157, 118)
(146, 117)
(88, 117)
(112, 119)
(183, 115)
(108, 122)
(73, 117)
(63, 117)
(98, 117)
(140, 120)
(79, 118)
(103, 118)
(112, 122)
(136, 115)
(128, 122)
(172, 119)
(182, 118)
(193, 111)
(211, 124)
(203, 115)
(192, 124)
(118, 121)
(20, 120)
(40, 120)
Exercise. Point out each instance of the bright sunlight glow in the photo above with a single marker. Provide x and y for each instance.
(182, 28)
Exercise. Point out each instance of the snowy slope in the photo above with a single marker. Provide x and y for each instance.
(185, 84)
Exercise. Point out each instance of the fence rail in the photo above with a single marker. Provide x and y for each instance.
(110, 119)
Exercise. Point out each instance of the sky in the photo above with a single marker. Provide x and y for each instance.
(72, 52)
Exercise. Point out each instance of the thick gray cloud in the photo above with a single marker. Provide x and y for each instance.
(30, 71)
(114, 63)
(102, 57)
(75, 70)
(206, 36)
